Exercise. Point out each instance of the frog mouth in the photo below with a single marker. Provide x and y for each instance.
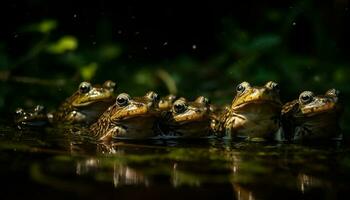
(258, 102)
(92, 101)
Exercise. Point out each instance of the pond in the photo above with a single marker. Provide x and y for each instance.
(189, 50)
(54, 163)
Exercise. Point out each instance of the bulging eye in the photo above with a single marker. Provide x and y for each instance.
(273, 85)
(170, 97)
(39, 109)
(179, 107)
(306, 97)
(19, 111)
(242, 87)
(109, 85)
(84, 87)
(333, 92)
(202, 100)
(123, 99)
(153, 96)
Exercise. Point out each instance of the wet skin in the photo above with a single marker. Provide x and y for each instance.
(33, 118)
(166, 103)
(254, 113)
(188, 119)
(86, 104)
(128, 118)
(312, 117)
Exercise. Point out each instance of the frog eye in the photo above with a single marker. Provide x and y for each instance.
(273, 85)
(170, 97)
(123, 99)
(332, 92)
(109, 84)
(179, 107)
(153, 96)
(306, 97)
(84, 87)
(242, 87)
(39, 109)
(19, 111)
(202, 100)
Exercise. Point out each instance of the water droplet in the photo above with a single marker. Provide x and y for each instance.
(75, 16)
(165, 43)
(294, 23)
(194, 47)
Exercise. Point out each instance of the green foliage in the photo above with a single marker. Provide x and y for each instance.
(255, 54)
(66, 43)
(45, 26)
(88, 71)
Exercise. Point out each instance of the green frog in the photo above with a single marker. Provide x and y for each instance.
(83, 107)
(312, 117)
(86, 104)
(188, 119)
(254, 113)
(36, 117)
(128, 118)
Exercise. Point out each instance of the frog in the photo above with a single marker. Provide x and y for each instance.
(188, 119)
(86, 104)
(35, 117)
(128, 118)
(312, 117)
(166, 102)
(254, 113)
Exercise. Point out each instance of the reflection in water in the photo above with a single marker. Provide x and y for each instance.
(87, 166)
(124, 175)
(180, 178)
(306, 182)
(242, 194)
(247, 171)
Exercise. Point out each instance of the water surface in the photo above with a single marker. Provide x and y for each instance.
(56, 164)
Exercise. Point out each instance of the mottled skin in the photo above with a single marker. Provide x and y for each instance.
(86, 104)
(312, 117)
(188, 119)
(129, 118)
(166, 102)
(253, 114)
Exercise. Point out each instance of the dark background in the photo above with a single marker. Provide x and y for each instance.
(48, 47)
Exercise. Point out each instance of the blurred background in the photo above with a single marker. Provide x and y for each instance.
(48, 47)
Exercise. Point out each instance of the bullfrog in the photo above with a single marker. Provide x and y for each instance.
(312, 117)
(128, 118)
(254, 113)
(166, 102)
(35, 117)
(86, 104)
(188, 119)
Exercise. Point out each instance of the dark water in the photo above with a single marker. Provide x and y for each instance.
(54, 164)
